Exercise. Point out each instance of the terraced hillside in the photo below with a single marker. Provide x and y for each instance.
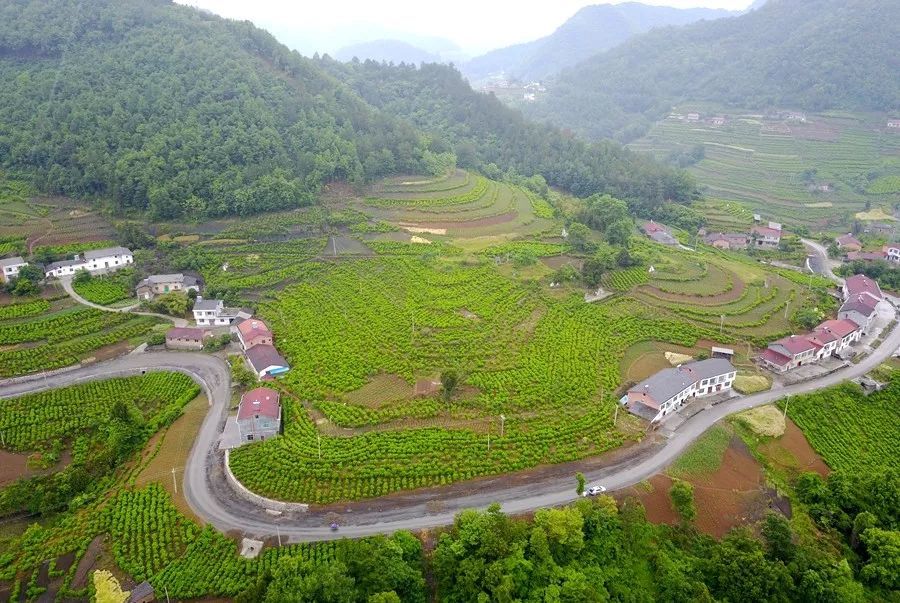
(26, 220)
(819, 173)
(727, 292)
(459, 205)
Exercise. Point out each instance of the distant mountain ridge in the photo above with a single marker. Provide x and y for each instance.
(388, 51)
(593, 29)
(803, 54)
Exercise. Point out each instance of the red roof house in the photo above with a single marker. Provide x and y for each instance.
(860, 284)
(849, 242)
(259, 414)
(253, 331)
(652, 227)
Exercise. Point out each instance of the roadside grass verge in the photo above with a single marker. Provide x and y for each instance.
(704, 456)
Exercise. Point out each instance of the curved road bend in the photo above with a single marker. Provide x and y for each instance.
(66, 282)
(209, 500)
(819, 262)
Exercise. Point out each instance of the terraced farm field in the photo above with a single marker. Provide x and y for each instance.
(32, 220)
(818, 173)
(852, 431)
(460, 205)
(549, 366)
(740, 298)
(60, 334)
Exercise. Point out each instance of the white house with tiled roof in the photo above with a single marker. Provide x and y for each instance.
(95, 261)
(669, 389)
(9, 268)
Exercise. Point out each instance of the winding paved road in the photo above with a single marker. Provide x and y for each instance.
(203, 483)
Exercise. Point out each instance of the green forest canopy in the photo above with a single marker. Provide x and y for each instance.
(802, 54)
(483, 131)
(166, 109)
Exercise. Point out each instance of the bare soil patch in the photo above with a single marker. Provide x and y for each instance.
(478, 223)
(732, 495)
(111, 351)
(818, 130)
(94, 550)
(13, 466)
(793, 453)
(558, 261)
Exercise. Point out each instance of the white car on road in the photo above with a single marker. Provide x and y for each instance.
(594, 491)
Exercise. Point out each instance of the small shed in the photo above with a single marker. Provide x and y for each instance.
(142, 593)
(726, 353)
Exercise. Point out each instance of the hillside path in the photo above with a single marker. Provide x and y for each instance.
(66, 282)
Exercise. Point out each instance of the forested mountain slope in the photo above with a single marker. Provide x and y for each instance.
(390, 51)
(482, 130)
(803, 54)
(590, 31)
(162, 108)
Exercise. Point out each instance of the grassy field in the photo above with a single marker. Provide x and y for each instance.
(819, 173)
(703, 456)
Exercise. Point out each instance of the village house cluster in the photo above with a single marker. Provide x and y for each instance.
(833, 337)
(852, 250)
(759, 237)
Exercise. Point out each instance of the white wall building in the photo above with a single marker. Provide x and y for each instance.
(669, 389)
(213, 313)
(96, 261)
(9, 268)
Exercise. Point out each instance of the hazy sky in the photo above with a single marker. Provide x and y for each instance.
(475, 25)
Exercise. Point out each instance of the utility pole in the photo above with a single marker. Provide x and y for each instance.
(721, 322)
(502, 423)
(174, 481)
(787, 305)
(277, 531)
(166, 588)
(489, 437)
(616, 416)
(786, 400)
(319, 440)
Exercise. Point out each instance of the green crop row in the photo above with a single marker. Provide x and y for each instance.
(476, 192)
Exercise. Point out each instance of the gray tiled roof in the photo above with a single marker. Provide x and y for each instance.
(64, 263)
(263, 356)
(207, 304)
(108, 251)
(11, 261)
(669, 382)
